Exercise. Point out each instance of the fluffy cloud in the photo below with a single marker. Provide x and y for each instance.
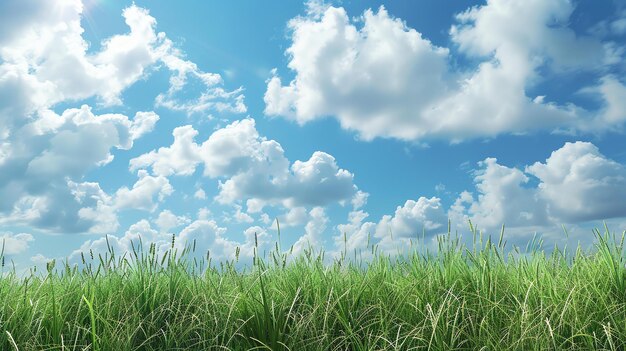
(96, 208)
(200, 194)
(313, 232)
(207, 235)
(294, 217)
(519, 30)
(242, 217)
(168, 220)
(409, 220)
(45, 60)
(575, 184)
(356, 234)
(214, 97)
(254, 169)
(503, 198)
(124, 244)
(580, 184)
(50, 154)
(209, 238)
(44, 156)
(360, 199)
(14, 244)
(141, 196)
(356, 74)
(99, 209)
(408, 223)
(180, 158)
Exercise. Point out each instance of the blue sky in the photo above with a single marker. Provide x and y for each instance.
(211, 119)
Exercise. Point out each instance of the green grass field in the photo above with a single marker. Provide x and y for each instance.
(483, 297)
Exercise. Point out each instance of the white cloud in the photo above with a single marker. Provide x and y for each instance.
(359, 200)
(581, 184)
(409, 220)
(504, 198)
(242, 217)
(204, 213)
(124, 244)
(294, 217)
(214, 97)
(408, 223)
(356, 74)
(524, 31)
(168, 220)
(576, 184)
(200, 194)
(44, 61)
(619, 26)
(239, 147)
(356, 233)
(313, 232)
(143, 123)
(612, 92)
(315, 182)
(97, 208)
(15, 243)
(180, 158)
(253, 168)
(51, 153)
(40, 260)
(142, 195)
(265, 218)
(207, 234)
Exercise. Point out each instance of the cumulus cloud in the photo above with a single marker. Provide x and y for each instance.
(180, 158)
(242, 217)
(124, 244)
(503, 197)
(359, 199)
(99, 209)
(356, 74)
(313, 232)
(142, 195)
(251, 168)
(207, 235)
(45, 60)
(200, 194)
(44, 155)
(356, 234)
(409, 222)
(168, 220)
(580, 184)
(294, 217)
(574, 185)
(53, 152)
(96, 208)
(14, 244)
(214, 97)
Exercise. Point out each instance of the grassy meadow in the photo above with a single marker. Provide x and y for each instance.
(484, 297)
